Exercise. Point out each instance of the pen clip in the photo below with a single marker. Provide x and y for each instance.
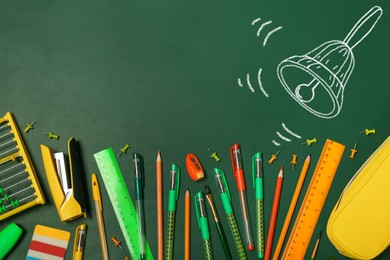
(256, 168)
(199, 207)
(139, 168)
(235, 155)
(222, 178)
(175, 179)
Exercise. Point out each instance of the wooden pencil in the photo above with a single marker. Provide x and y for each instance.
(187, 226)
(291, 209)
(160, 221)
(274, 214)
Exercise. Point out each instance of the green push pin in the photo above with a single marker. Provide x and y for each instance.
(29, 127)
(310, 141)
(214, 155)
(52, 136)
(124, 150)
(368, 131)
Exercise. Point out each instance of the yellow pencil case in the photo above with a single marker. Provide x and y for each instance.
(359, 225)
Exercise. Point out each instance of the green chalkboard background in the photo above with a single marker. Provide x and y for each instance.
(165, 75)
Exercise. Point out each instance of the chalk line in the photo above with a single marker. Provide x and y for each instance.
(270, 33)
(290, 132)
(260, 84)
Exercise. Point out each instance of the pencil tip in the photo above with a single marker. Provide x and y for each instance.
(281, 171)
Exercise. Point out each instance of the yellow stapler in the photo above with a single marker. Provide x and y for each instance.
(65, 180)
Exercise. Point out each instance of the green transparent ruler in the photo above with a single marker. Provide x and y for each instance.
(121, 201)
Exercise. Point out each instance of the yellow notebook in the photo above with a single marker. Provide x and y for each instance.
(359, 225)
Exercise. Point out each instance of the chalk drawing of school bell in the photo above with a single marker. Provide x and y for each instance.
(317, 79)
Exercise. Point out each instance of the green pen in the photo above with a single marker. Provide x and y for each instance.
(226, 201)
(172, 199)
(201, 214)
(139, 185)
(257, 178)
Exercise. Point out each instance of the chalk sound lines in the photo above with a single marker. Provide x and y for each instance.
(249, 83)
(284, 137)
(264, 26)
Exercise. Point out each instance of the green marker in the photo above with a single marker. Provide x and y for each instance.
(257, 177)
(226, 201)
(8, 238)
(201, 214)
(172, 199)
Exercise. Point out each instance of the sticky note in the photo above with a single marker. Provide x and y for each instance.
(48, 243)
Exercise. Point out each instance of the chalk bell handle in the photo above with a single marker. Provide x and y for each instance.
(373, 14)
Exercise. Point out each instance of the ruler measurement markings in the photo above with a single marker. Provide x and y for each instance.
(314, 200)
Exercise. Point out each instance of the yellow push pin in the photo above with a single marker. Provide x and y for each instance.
(294, 161)
(310, 141)
(124, 150)
(116, 242)
(52, 136)
(214, 155)
(368, 131)
(353, 151)
(29, 127)
(273, 157)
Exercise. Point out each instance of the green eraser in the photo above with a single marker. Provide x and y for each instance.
(8, 238)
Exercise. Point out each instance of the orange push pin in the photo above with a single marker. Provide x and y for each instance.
(273, 157)
(353, 151)
(116, 242)
(310, 141)
(368, 131)
(294, 161)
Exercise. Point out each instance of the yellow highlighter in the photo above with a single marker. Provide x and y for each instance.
(79, 242)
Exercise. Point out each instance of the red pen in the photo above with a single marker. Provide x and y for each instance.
(235, 154)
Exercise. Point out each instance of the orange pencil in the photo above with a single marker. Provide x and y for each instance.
(291, 209)
(274, 214)
(187, 226)
(160, 221)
